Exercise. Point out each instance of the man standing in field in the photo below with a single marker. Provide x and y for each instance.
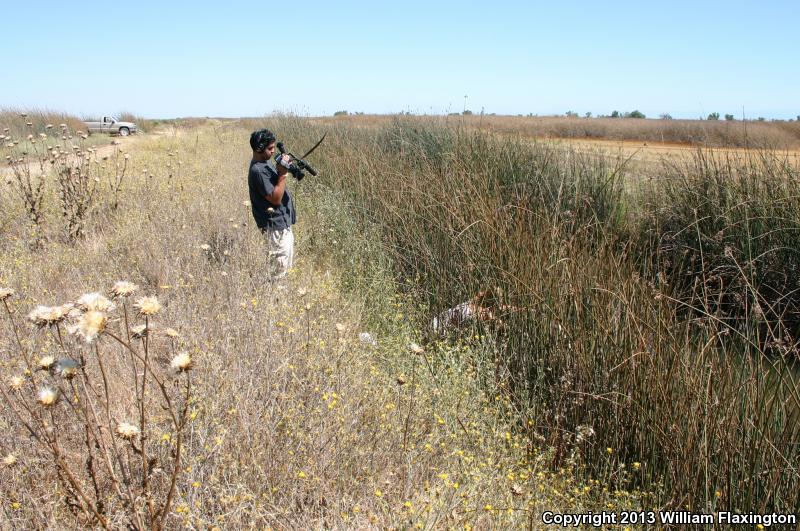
(273, 208)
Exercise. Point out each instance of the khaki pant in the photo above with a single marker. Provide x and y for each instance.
(280, 252)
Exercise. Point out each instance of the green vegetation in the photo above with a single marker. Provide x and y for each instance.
(649, 359)
(292, 420)
(635, 324)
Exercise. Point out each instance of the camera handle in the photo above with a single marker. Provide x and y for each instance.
(299, 163)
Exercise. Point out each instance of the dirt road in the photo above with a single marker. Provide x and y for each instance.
(101, 150)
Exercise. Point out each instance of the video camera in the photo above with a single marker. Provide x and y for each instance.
(296, 165)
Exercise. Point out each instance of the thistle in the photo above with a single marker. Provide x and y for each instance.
(16, 382)
(148, 305)
(95, 302)
(127, 431)
(182, 362)
(47, 396)
(43, 316)
(46, 363)
(123, 288)
(415, 348)
(90, 325)
(140, 331)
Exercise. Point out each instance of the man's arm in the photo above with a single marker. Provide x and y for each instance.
(277, 193)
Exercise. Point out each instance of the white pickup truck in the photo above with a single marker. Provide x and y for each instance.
(109, 124)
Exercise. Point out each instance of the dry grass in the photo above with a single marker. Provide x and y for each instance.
(144, 125)
(17, 120)
(706, 133)
(294, 423)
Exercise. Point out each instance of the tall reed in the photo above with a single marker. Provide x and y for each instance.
(601, 342)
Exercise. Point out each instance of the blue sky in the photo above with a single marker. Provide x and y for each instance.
(237, 58)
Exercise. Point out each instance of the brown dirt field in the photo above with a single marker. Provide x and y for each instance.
(649, 153)
(637, 153)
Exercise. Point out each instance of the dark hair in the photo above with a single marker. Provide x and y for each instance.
(260, 139)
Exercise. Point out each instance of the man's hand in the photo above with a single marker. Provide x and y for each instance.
(283, 166)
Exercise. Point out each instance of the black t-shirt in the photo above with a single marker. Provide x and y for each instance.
(261, 180)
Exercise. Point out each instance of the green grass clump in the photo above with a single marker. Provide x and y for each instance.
(725, 232)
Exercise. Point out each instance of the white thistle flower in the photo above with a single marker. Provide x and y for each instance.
(46, 362)
(148, 305)
(415, 348)
(95, 302)
(47, 396)
(43, 316)
(182, 362)
(123, 288)
(16, 382)
(128, 431)
(138, 332)
(90, 325)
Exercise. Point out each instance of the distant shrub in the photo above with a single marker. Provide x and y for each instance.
(340, 113)
(571, 114)
(143, 123)
(729, 117)
(615, 114)
(665, 116)
(713, 116)
(635, 114)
